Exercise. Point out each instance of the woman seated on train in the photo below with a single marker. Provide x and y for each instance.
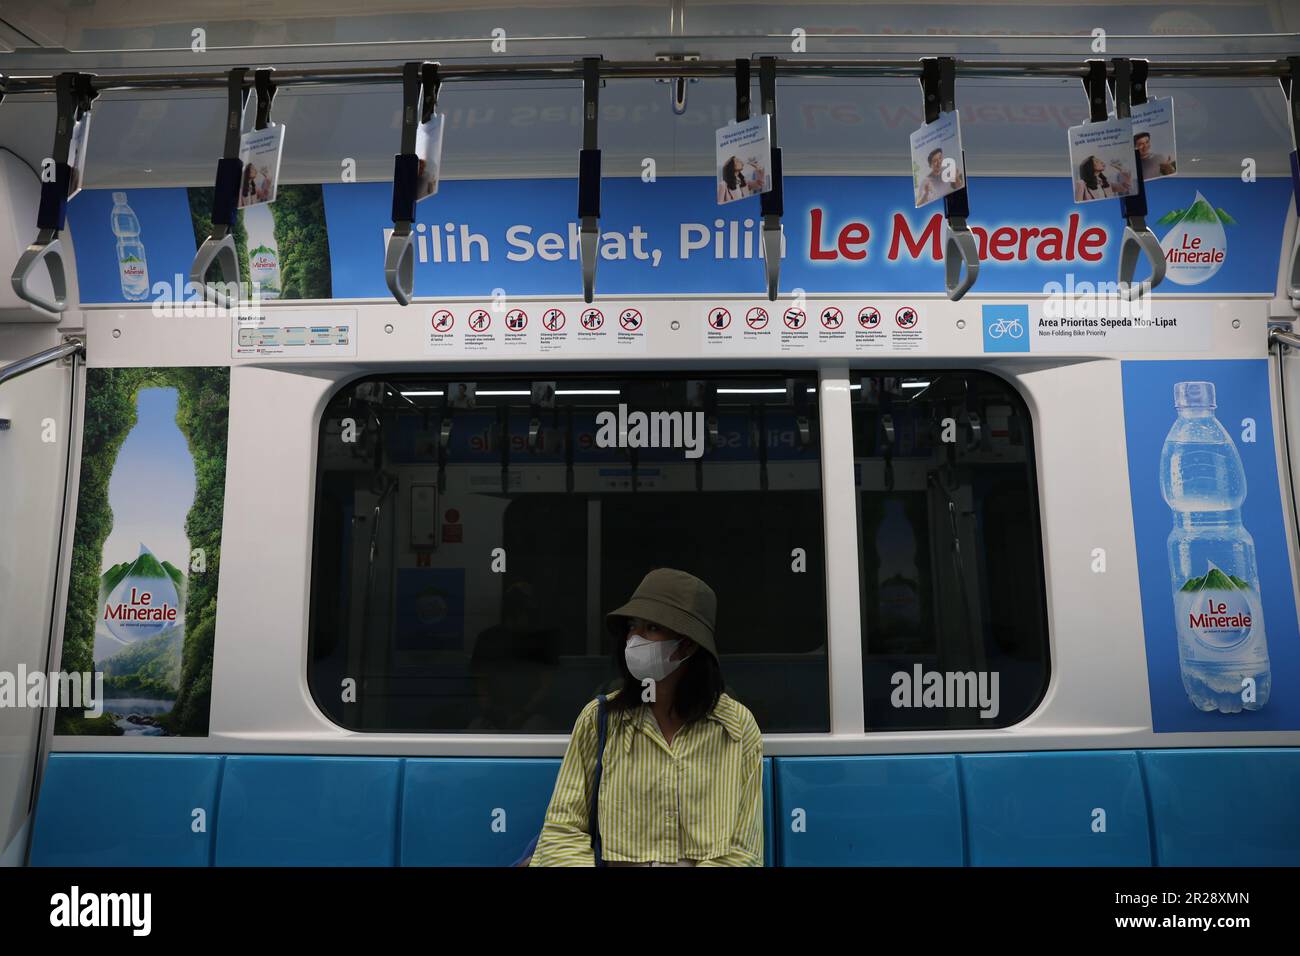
(681, 776)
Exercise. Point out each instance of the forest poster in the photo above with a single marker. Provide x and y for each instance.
(142, 594)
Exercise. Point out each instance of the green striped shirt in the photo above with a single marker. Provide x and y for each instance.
(699, 798)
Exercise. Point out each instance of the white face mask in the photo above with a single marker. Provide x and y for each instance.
(648, 659)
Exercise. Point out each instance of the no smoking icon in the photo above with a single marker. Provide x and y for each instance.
(756, 318)
(906, 317)
(630, 319)
(795, 318)
(719, 319)
(869, 318)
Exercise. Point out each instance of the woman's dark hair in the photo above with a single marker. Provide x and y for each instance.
(731, 173)
(933, 152)
(1091, 178)
(698, 689)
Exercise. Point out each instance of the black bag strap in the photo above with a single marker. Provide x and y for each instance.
(593, 819)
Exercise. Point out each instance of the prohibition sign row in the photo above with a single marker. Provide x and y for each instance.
(516, 320)
(831, 317)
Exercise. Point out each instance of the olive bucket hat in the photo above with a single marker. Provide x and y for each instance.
(671, 599)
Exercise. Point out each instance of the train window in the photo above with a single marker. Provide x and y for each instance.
(470, 537)
(954, 619)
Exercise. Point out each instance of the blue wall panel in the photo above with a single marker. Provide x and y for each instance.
(125, 810)
(308, 811)
(1038, 809)
(1225, 807)
(869, 811)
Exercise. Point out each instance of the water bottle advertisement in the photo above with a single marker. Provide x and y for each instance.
(1218, 610)
(844, 234)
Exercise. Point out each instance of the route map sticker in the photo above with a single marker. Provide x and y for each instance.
(795, 318)
(869, 318)
(516, 320)
(443, 321)
(756, 318)
(479, 320)
(553, 320)
(592, 319)
(832, 318)
(631, 320)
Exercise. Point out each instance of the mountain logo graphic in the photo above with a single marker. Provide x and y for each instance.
(141, 598)
(1196, 246)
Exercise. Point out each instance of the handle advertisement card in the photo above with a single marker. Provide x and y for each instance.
(1102, 160)
(259, 152)
(744, 155)
(77, 154)
(428, 146)
(1153, 138)
(937, 162)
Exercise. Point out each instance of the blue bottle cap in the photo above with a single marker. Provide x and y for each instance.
(1194, 395)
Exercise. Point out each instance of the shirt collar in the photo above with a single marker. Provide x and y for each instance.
(726, 712)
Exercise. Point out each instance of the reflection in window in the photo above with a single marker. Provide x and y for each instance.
(954, 629)
(471, 536)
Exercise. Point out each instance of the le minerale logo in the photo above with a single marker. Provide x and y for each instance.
(139, 606)
(622, 429)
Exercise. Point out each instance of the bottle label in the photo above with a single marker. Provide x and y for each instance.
(1216, 612)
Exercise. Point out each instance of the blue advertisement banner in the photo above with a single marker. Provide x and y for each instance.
(843, 234)
(1219, 613)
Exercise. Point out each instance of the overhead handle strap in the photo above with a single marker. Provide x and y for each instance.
(1291, 90)
(589, 176)
(772, 202)
(219, 247)
(1128, 85)
(74, 94)
(420, 83)
(960, 249)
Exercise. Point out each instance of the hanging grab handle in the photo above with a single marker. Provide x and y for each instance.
(1128, 86)
(219, 247)
(74, 93)
(1291, 90)
(772, 202)
(960, 250)
(420, 85)
(589, 176)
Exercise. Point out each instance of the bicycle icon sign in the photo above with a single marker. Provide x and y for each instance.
(1011, 328)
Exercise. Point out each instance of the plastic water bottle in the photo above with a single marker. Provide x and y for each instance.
(1222, 646)
(133, 269)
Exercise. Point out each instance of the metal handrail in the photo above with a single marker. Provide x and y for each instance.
(1061, 68)
(1284, 337)
(73, 346)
